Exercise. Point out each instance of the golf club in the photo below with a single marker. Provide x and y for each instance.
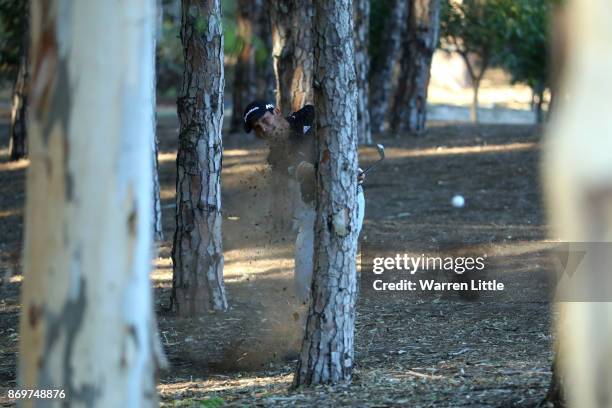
(381, 153)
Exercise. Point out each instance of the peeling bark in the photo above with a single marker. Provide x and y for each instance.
(382, 70)
(327, 352)
(418, 45)
(292, 51)
(362, 67)
(87, 325)
(197, 253)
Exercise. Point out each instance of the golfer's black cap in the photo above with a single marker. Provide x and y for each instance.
(254, 111)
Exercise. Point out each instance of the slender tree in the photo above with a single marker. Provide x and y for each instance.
(476, 30)
(197, 253)
(87, 325)
(418, 45)
(328, 348)
(158, 231)
(578, 186)
(245, 75)
(292, 51)
(362, 67)
(264, 65)
(17, 130)
(381, 75)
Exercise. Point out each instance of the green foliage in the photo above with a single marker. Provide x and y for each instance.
(507, 33)
(213, 402)
(475, 27)
(379, 12)
(526, 48)
(13, 14)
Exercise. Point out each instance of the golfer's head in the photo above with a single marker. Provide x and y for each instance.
(263, 118)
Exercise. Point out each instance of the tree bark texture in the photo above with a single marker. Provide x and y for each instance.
(266, 80)
(292, 52)
(381, 81)
(158, 231)
(418, 45)
(328, 348)
(362, 67)
(197, 253)
(578, 192)
(18, 144)
(87, 323)
(245, 75)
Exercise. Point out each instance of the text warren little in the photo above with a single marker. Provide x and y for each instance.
(432, 285)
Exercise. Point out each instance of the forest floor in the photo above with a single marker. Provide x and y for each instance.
(412, 350)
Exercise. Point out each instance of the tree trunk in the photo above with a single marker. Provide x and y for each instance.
(474, 106)
(245, 80)
(87, 324)
(382, 70)
(18, 144)
(409, 112)
(578, 187)
(197, 253)
(292, 51)
(362, 66)
(158, 231)
(328, 347)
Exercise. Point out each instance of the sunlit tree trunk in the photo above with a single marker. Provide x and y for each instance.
(18, 144)
(578, 181)
(292, 51)
(87, 323)
(418, 45)
(362, 67)
(381, 75)
(327, 352)
(245, 80)
(197, 253)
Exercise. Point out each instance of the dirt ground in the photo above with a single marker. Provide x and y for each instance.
(432, 350)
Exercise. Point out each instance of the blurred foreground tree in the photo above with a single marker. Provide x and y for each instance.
(384, 45)
(526, 52)
(419, 42)
(88, 326)
(197, 252)
(578, 185)
(327, 355)
(476, 30)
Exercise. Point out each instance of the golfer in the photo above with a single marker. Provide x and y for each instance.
(292, 150)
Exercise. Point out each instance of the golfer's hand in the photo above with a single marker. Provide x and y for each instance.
(360, 176)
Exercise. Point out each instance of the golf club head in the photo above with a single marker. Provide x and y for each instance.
(381, 150)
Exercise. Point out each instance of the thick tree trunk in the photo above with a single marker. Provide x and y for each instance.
(381, 76)
(245, 80)
(197, 253)
(362, 66)
(419, 43)
(578, 181)
(292, 51)
(87, 323)
(328, 348)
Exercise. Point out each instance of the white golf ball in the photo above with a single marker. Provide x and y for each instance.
(458, 201)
